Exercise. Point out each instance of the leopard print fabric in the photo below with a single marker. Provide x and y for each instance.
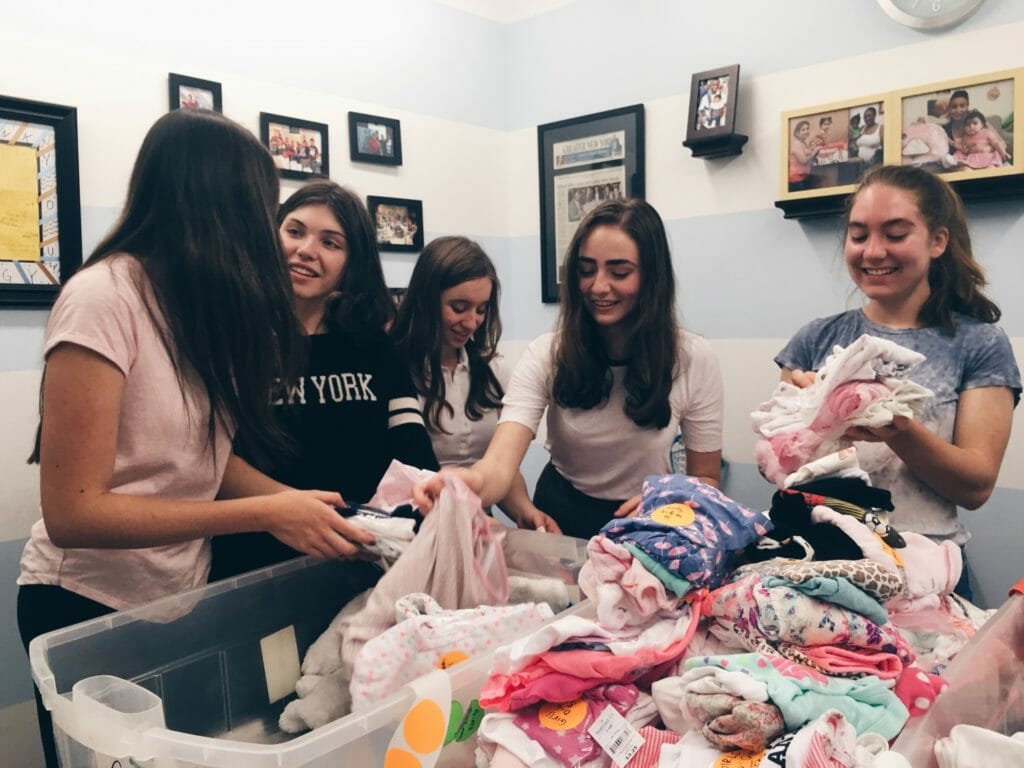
(871, 577)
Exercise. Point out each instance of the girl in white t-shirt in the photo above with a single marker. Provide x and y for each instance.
(618, 378)
(166, 339)
(448, 328)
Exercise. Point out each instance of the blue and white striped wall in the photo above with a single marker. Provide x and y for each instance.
(470, 80)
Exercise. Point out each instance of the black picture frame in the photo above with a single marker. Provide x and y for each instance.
(281, 134)
(186, 92)
(398, 222)
(711, 118)
(374, 139)
(600, 154)
(40, 234)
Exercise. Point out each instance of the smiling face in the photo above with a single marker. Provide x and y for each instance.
(958, 107)
(869, 116)
(889, 250)
(316, 253)
(609, 275)
(463, 310)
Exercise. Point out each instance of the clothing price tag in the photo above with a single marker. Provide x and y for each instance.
(616, 736)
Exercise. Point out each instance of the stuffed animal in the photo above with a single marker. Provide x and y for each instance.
(926, 143)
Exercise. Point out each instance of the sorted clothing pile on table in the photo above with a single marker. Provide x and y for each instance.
(806, 636)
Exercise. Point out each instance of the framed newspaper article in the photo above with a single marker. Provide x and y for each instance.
(584, 161)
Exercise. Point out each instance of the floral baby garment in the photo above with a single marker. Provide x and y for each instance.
(863, 384)
(730, 722)
(802, 694)
(876, 580)
(428, 637)
(689, 527)
(783, 614)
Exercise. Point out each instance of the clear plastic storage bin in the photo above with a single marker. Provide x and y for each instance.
(183, 682)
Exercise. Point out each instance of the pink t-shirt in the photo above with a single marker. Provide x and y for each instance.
(162, 446)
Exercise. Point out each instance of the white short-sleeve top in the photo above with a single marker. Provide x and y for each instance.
(601, 451)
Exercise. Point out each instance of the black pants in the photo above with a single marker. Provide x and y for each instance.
(43, 608)
(963, 587)
(576, 513)
(237, 553)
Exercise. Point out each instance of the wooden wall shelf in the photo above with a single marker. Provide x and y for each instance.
(970, 190)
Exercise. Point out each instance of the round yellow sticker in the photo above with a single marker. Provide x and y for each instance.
(451, 658)
(562, 717)
(674, 514)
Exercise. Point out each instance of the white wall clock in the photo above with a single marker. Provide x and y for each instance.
(929, 14)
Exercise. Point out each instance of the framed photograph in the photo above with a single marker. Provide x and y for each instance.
(963, 129)
(826, 150)
(582, 162)
(399, 223)
(373, 139)
(711, 120)
(299, 147)
(713, 103)
(193, 93)
(40, 209)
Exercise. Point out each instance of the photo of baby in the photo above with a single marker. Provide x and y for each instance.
(963, 128)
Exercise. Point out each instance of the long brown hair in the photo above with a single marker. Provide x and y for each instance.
(199, 218)
(956, 279)
(583, 376)
(363, 300)
(418, 333)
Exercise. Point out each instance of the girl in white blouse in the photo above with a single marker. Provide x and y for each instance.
(618, 380)
(448, 327)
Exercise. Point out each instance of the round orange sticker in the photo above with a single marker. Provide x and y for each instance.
(424, 727)
(451, 658)
(564, 716)
(740, 760)
(674, 514)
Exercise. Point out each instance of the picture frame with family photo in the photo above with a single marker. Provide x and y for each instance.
(827, 149)
(193, 93)
(300, 148)
(398, 222)
(711, 118)
(374, 139)
(963, 128)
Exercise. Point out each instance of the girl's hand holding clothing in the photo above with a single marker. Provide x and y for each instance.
(426, 492)
(801, 379)
(309, 522)
(881, 434)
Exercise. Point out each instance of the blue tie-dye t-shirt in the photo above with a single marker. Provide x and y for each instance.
(977, 355)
